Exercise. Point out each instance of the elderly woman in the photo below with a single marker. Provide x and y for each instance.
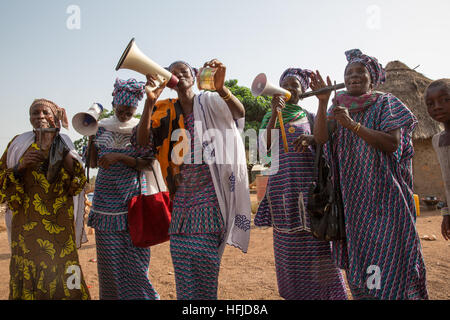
(122, 267)
(211, 205)
(372, 155)
(304, 266)
(40, 196)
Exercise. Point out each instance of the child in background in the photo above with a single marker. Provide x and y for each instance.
(437, 99)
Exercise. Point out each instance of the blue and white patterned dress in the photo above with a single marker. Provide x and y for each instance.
(122, 267)
(195, 229)
(304, 266)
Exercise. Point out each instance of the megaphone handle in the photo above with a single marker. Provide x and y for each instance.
(283, 132)
(158, 83)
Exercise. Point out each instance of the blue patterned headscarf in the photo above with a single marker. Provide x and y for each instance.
(194, 71)
(377, 73)
(128, 92)
(302, 75)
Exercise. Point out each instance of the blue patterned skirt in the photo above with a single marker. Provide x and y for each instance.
(196, 262)
(123, 268)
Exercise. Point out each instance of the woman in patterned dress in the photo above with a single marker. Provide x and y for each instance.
(372, 154)
(44, 259)
(211, 204)
(304, 266)
(122, 267)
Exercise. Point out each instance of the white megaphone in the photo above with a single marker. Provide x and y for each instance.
(85, 123)
(262, 87)
(133, 59)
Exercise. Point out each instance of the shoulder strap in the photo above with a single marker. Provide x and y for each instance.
(154, 175)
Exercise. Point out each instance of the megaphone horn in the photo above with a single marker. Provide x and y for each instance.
(262, 87)
(85, 123)
(133, 59)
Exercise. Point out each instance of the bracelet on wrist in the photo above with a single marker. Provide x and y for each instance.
(445, 212)
(356, 127)
(227, 96)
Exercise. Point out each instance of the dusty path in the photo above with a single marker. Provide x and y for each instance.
(252, 275)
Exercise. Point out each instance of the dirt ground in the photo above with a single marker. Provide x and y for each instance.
(248, 276)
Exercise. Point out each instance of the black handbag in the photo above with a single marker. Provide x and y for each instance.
(325, 206)
(58, 152)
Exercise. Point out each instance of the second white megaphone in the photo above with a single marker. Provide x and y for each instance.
(133, 59)
(262, 87)
(85, 123)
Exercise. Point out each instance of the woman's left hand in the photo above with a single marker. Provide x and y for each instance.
(302, 143)
(108, 160)
(219, 77)
(341, 115)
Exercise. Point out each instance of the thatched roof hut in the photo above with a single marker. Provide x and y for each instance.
(409, 86)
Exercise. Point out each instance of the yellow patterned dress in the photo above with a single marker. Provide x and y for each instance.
(44, 259)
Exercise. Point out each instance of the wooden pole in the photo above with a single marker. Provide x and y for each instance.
(283, 132)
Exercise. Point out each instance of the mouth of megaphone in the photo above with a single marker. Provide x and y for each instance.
(134, 59)
(261, 86)
(124, 54)
(85, 123)
(88, 119)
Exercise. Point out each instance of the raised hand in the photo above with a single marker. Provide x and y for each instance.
(153, 94)
(317, 83)
(219, 76)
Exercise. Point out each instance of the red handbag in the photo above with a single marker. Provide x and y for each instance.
(149, 217)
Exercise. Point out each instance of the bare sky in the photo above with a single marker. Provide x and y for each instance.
(66, 51)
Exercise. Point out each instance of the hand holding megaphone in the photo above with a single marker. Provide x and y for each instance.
(261, 86)
(278, 103)
(152, 89)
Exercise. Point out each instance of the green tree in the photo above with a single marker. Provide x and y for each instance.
(255, 107)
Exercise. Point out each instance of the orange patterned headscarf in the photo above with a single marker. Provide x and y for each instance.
(59, 113)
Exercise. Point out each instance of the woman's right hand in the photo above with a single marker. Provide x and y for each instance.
(30, 159)
(317, 83)
(153, 95)
(278, 103)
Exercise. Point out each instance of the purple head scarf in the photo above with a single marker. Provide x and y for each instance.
(194, 71)
(128, 92)
(377, 73)
(302, 75)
